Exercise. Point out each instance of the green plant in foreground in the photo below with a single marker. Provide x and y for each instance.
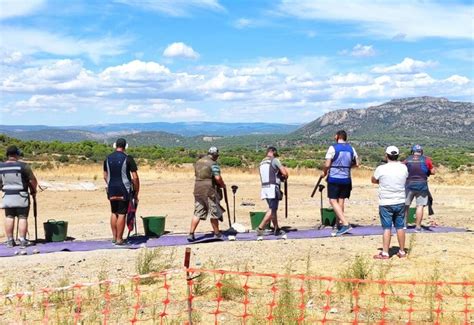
(231, 288)
(286, 311)
(153, 260)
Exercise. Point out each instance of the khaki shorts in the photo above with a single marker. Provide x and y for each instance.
(421, 198)
(21, 213)
(203, 209)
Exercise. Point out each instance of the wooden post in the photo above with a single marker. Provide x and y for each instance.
(187, 261)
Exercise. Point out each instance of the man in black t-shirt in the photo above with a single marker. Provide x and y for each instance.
(121, 177)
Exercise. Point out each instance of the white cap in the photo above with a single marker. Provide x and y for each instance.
(392, 150)
(213, 151)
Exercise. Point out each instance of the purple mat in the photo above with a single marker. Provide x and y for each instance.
(178, 240)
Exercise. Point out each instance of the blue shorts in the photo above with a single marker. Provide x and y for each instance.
(273, 204)
(392, 214)
(339, 191)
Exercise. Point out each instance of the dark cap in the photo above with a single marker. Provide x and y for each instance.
(121, 143)
(13, 151)
(274, 150)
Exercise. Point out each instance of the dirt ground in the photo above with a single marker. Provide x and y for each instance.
(169, 192)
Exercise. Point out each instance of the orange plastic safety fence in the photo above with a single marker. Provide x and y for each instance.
(201, 296)
(240, 297)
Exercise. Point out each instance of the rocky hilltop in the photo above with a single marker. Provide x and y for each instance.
(425, 117)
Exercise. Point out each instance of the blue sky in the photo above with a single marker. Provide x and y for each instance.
(91, 62)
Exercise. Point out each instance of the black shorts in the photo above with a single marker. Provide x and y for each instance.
(339, 191)
(21, 213)
(119, 207)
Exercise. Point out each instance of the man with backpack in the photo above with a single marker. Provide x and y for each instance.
(16, 178)
(121, 177)
(420, 167)
(340, 158)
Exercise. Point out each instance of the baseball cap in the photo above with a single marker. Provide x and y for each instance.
(13, 151)
(417, 148)
(213, 151)
(274, 150)
(392, 150)
(121, 143)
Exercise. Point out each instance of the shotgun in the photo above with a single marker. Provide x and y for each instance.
(226, 199)
(317, 185)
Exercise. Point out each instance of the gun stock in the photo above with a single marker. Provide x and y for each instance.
(316, 186)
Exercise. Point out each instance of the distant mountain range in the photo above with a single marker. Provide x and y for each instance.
(426, 119)
(104, 131)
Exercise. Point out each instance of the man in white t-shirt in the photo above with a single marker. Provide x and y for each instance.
(391, 178)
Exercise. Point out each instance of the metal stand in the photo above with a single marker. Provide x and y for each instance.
(234, 191)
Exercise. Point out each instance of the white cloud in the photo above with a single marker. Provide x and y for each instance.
(242, 23)
(135, 70)
(18, 8)
(408, 65)
(29, 41)
(176, 8)
(412, 19)
(11, 58)
(272, 88)
(362, 51)
(159, 111)
(180, 50)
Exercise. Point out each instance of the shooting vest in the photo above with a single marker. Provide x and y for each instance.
(417, 169)
(340, 170)
(269, 179)
(119, 183)
(15, 185)
(204, 185)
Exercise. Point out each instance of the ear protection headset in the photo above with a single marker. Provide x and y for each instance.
(17, 152)
(115, 146)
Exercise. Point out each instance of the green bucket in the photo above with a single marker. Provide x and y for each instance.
(154, 225)
(256, 219)
(55, 231)
(328, 217)
(411, 215)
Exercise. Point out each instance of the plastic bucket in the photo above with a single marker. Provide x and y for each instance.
(411, 215)
(328, 217)
(256, 219)
(55, 231)
(154, 225)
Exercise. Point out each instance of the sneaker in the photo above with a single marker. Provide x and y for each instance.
(279, 232)
(123, 243)
(401, 254)
(10, 243)
(343, 230)
(218, 235)
(418, 229)
(381, 256)
(25, 243)
(260, 232)
(191, 238)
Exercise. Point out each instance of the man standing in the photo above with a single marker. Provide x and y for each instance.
(272, 173)
(207, 193)
(340, 158)
(121, 177)
(391, 178)
(16, 177)
(420, 168)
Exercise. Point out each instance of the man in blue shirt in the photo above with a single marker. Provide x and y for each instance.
(340, 158)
